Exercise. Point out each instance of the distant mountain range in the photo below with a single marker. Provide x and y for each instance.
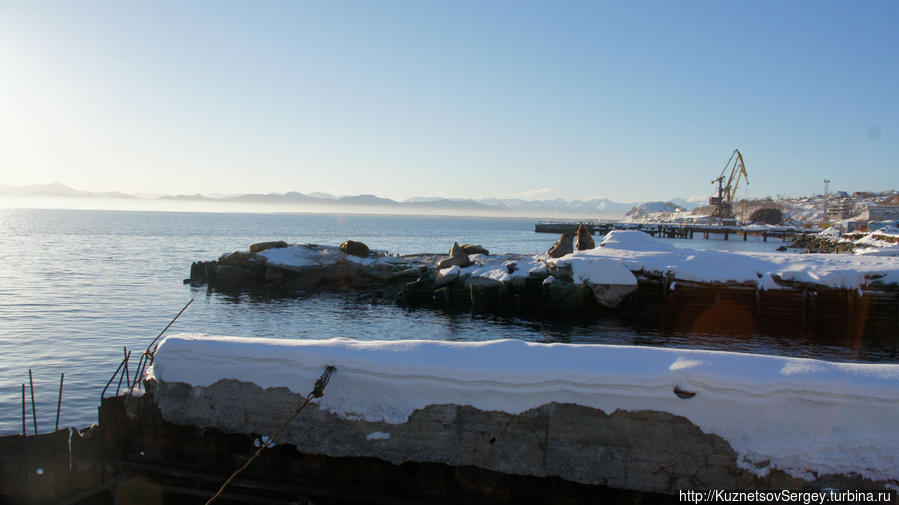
(57, 189)
(293, 200)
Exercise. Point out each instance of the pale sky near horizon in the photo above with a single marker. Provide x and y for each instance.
(628, 100)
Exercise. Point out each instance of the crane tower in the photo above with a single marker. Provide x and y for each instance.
(723, 203)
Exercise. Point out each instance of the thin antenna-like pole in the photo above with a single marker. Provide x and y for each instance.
(140, 363)
(148, 353)
(33, 408)
(127, 373)
(127, 355)
(24, 431)
(62, 378)
(169, 325)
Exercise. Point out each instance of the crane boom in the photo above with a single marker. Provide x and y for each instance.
(726, 192)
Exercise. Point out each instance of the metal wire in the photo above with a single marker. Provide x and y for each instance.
(317, 392)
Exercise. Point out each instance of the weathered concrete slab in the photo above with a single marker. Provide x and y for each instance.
(643, 450)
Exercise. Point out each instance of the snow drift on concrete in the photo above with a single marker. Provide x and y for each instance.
(800, 415)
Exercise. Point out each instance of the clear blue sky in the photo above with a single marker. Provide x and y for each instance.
(625, 100)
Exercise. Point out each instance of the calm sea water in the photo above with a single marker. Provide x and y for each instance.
(76, 286)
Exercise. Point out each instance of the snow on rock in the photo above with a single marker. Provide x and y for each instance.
(633, 240)
(831, 234)
(655, 211)
(497, 268)
(879, 251)
(887, 236)
(299, 256)
(610, 281)
(802, 416)
(639, 251)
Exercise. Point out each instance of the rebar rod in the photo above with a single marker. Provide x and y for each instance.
(148, 353)
(111, 379)
(127, 374)
(33, 408)
(136, 380)
(62, 378)
(122, 376)
(24, 431)
(318, 391)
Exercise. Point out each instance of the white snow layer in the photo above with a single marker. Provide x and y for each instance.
(801, 415)
(299, 256)
(638, 251)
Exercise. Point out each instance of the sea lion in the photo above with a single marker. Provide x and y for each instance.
(562, 246)
(584, 238)
(457, 257)
(354, 248)
(474, 249)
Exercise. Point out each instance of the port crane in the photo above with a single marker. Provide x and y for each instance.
(723, 203)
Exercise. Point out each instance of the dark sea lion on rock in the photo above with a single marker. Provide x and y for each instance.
(457, 257)
(474, 249)
(584, 238)
(562, 246)
(354, 248)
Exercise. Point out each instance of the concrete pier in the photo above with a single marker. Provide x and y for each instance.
(678, 230)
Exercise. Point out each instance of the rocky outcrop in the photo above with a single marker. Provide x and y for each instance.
(541, 287)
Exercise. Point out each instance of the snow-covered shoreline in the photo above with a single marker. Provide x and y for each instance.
(804, 417)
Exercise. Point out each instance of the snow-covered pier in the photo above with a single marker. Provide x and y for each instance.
(605, 417)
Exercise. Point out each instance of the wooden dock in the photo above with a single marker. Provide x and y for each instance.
(679, 230)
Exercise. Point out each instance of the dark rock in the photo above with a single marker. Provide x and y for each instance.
(231, 276)
(274, 274)
(782, 248)
(237, 259)
(442, 298)
(484, 293)
(474, 249)
(261, 246)
(584, 238)
(354, 248)
(563, 295)
(199, 269)
(562, 246)
(418, 292)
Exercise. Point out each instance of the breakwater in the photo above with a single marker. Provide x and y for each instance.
(826, 296)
